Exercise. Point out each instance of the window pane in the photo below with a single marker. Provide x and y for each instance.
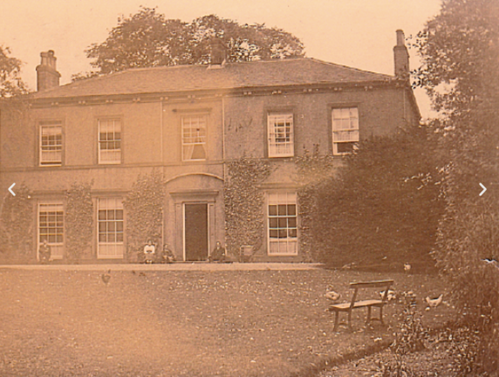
(273, 233)
(292, 222)
(292, 209)
(282, 210)
(283, 223)
(272, 210)
(273, 223)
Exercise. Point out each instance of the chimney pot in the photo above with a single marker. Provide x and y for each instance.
(46, 72)
(218, 52)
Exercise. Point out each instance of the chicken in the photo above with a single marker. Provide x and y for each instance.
(106, 277)
(332, 295)
(407, 267)
(391, 295)
(491, 262)
(434, 302)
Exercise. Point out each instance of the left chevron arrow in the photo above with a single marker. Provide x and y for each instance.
(10, 189)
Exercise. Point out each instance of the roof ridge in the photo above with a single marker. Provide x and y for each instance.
(351, 68)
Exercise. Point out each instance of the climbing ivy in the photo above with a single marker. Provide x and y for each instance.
(313, 169)
(16, 226)
(144, 211)
(79, 220)
(244, 203)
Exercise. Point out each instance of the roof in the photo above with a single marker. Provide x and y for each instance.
(184, 78)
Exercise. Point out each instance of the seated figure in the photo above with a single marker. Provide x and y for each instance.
(149, 252)
(44, 252)
(218, 254)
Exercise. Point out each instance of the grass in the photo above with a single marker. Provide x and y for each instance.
(183, 323)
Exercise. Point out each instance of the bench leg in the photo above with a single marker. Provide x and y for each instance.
(368, 315)
(381, 314)
(350, 320)
(336, 320)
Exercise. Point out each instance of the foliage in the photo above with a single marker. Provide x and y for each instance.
(382, 207)
(244, 203)
(144, 211)
(411, 335)
(17, 225)
(78, 220)
(312, 168)
(460, 51)
(10, 80)
(394, 368)
(149, 39)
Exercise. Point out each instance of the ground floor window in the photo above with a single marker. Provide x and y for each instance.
(282, 223)
(110, 228)
(51, 227)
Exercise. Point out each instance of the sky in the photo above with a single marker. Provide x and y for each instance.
(356, 33)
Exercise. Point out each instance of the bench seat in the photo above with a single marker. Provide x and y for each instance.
(358, 304)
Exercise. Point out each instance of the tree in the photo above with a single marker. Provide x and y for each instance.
(10, 81)
(460, 53)
(149, 39)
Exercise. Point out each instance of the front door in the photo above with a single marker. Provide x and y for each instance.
(196, 232)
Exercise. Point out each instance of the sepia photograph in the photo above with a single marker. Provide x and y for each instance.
(232, 188)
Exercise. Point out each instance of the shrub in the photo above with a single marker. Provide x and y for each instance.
(79, 220)
(382, 208)
(244, 203)
(17, 225)
(144, 212)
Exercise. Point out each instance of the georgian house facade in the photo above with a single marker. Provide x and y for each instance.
(188, 122)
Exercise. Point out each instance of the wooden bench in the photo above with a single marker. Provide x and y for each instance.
(348, 307)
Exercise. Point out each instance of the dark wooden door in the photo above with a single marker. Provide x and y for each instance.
(196, 232)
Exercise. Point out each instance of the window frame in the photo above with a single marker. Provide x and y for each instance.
(100, 161)
(50, 124)
(353, 130)
(282, 198)
(204, 144)
(118, 246)
(272, 143)
(57, 248)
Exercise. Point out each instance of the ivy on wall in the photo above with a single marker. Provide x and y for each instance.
(79, 220)
(313, 168)
(16, 226)
(144, 212)
(244, 203)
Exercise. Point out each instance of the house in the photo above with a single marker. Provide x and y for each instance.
(188, 122)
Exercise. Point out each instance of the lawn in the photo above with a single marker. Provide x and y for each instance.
(184, 323)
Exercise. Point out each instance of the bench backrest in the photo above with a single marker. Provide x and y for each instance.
(386, 284)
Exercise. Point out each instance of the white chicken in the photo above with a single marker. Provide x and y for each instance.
(434, 302)
(407, 267)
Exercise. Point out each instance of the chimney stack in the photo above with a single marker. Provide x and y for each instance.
(46, 73)
(218, 52)
(401, 57)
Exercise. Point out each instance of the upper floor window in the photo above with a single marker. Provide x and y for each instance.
(194, 137)
(109, 141)
(345, 129)
(51, 144)
(280, 132)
